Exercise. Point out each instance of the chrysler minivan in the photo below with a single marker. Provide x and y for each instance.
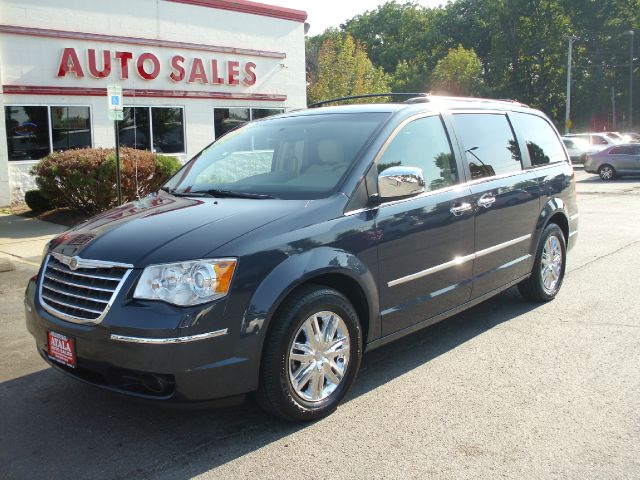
(290, 246)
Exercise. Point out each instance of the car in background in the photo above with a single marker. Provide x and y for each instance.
(615, 161)
(599, 141)
(631, 137)
(616, 136)
(578, 149)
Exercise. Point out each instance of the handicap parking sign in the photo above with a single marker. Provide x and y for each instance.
(114, 97)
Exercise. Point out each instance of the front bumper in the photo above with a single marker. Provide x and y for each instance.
(193, 364)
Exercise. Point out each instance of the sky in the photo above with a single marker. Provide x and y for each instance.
(331, 13)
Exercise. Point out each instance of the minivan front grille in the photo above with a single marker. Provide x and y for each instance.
(84, 293)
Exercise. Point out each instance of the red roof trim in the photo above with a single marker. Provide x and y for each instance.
(139, 93)
(43, 32)
(245, 6)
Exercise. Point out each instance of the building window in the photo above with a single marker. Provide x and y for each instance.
(34, 132)
(162, 127)
(226, 119)
(135, 130)
(70, 127)
(168, 130)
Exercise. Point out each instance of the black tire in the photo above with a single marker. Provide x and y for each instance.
(276, 393)
(607, 172)
(533, 288)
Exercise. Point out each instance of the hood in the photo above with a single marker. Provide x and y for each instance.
(162, 228)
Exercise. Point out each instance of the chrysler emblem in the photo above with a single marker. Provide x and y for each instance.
(73, 263)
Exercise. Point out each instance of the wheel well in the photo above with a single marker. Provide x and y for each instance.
(350, 289)
(560, 220)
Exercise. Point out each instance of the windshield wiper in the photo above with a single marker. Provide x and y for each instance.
(233, 194)
(172, 191)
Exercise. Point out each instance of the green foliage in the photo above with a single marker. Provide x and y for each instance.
(459, 73)
(36, 201)
(521, 46)
(344, 69)
(85, 179)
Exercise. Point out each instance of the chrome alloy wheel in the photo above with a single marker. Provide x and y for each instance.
(606, 172)
(551, 264)
(318, 356)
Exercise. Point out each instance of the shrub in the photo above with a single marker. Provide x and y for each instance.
(36, 201)
(85, 179)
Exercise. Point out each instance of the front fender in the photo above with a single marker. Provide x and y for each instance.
(299, 269)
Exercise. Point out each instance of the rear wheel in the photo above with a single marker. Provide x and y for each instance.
(548, 268)
(311, 355)
(607, 172)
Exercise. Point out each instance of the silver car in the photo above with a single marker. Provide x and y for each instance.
(615, 161)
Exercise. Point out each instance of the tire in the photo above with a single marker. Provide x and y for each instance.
(607, 172)
(546, 279)
(325, 376)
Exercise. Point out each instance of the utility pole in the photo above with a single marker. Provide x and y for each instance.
(567, 115)
(631, 33)
(613, 108)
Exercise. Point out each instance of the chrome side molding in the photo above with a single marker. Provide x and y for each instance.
(457, 261)
(165, 341)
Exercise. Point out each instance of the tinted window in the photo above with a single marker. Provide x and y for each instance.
(568, 143)
(624, 150)
(541, 139)
(488, 143)
(423, 143)
(301, 157)
(168, 130)
(598, 140)
(226, 119)
(71, 127)
(27, 132)
(134, 129)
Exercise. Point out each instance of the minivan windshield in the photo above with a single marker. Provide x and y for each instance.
(299, 157)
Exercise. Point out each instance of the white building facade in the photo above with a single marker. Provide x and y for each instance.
(190, 71)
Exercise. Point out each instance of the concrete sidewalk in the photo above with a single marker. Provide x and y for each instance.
(23, 239)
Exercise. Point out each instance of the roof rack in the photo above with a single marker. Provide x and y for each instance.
(370, 95)
(430, 97)
(419, 98)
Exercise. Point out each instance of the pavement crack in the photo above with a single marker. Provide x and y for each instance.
(579, 267)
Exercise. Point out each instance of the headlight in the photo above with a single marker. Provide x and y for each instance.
(186, 283)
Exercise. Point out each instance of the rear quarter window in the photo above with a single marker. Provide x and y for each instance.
(543, 144)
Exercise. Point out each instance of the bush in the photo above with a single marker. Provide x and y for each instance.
(85, 179)
(36, 201)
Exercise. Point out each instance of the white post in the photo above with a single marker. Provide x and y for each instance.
(567, 115)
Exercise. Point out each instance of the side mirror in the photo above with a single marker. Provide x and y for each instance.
(397, 182)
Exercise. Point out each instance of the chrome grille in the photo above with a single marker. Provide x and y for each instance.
(83, 294)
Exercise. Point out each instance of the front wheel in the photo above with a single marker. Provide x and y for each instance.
(311, 355)
(548, 267)
(607, 172)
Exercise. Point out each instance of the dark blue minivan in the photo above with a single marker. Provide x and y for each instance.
(280, 253)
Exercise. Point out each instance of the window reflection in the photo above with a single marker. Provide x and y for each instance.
(423, 143)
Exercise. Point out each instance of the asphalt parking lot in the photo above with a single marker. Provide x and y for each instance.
(507, 389)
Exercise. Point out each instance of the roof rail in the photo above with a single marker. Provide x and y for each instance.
(370, 95)
(429, 98)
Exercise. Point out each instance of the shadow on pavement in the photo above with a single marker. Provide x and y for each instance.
(55, 427)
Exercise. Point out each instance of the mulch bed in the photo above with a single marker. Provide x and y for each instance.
(60, 216)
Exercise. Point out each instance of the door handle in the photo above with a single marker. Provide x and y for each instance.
(486, 200)
(460, 209)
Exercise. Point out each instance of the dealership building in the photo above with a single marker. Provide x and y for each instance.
(190, 70)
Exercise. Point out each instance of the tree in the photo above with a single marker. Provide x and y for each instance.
(343, 69)
(459, 73)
